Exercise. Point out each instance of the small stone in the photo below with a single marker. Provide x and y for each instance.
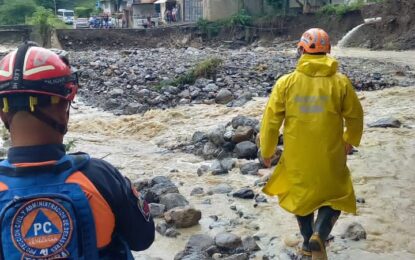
(199, 136)
(244, 193)
(171, 232)
(161, 228)
(250, 244)
(360, 200)
(292, 240)
(217, 169)
(354, 231)
(233, 207)
(228, 163)
(196, 191)
(240, 256)
(228, 240)
(216, 135)
(250, 168)
(260, 199)
(202, 170)
(386, 122)
(222, 188)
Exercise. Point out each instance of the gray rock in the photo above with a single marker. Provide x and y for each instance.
(164, 188)
(196, 191)
(116, 92)
(386, 122)
(217, 169)
(354, 231)
(210, 150)
(244, 121)
(240, 256)
(171, 232)
(141, 184)
(161, 227)
(224, 96)
(199, 136)
(133, 108)
(228, 240)
(183, 217)
(156, 210)
(173, 200)
(222, 188)
(159, 180)
(202, 170)
(251, 168)
(211, 87)
(228, 163)
(242, 133)
(250, 244)
(244, 193)
(260, 199)
(246, 150)
(199, 242)
(216, 135)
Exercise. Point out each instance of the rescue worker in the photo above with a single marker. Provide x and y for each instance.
(55, 205)
(311, 175)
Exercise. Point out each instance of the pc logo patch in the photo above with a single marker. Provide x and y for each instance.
(41, 229)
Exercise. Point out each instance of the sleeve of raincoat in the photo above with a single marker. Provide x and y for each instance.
(353, 114)
(272, 119)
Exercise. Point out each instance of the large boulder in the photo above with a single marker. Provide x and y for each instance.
(216, 135)
(183, 217)
(246, 150)
(222, 188)
(173, 200)
(199, 242)
(243, 133)
(244, 193)
(250, 168)
(224, 96)
(244, 121)
(156, 210)
(228, 240)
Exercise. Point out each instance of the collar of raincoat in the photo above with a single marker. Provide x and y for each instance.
(317, 65)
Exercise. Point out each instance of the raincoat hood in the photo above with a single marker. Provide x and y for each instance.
(317, 65)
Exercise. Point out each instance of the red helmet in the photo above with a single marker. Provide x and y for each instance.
(35, 70)
(315, 40)
(32, 76)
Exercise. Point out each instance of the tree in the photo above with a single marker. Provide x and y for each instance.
(14, 12)
(45, 21)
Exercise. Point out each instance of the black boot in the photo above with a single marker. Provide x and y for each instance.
(306, 229)
(325, 221)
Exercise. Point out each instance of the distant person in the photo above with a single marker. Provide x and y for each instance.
(56, 205)
(312, 175)
(174, 14)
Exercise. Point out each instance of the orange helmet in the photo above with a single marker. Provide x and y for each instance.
(315, 40)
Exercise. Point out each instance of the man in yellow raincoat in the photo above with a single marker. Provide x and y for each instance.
(323, 120)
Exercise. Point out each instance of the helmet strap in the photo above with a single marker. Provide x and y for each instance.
(61, 128)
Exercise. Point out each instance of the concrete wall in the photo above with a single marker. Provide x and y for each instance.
(220, 9)
(16, 34)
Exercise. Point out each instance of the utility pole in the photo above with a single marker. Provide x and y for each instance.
(54, 1)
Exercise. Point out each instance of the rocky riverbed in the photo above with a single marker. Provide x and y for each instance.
(134, 81)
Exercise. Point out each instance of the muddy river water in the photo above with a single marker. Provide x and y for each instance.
(383, 171)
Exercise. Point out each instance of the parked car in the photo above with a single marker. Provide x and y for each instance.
(81, 23)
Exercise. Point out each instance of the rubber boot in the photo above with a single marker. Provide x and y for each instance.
(325, 221)
(306, 229)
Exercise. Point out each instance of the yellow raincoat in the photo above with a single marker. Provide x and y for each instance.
(312, 101)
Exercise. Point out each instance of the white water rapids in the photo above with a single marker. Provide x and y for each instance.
(342, 43)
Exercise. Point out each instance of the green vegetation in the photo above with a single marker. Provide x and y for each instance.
(45, 21)
(340, 9)
(210, 29)
(70, 145)
(205, 69)
(16, 11)
(83, 12)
